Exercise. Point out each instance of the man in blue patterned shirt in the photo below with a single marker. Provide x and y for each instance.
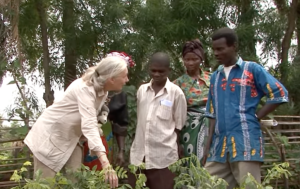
(235, 143)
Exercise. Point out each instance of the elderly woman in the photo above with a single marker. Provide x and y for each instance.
(54, 137)
(195, 85)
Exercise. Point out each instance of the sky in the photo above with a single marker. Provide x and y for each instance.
(8, 93)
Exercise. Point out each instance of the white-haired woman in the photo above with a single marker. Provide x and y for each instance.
(54, 137)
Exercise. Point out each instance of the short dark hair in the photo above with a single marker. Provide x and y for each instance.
(160, 58)
(227, 33)
(190, 46)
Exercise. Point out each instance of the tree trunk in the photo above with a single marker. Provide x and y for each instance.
(286, 42)
(70, 42)
(48, 95)
(247, 45)
(298, 31)
(3, 34)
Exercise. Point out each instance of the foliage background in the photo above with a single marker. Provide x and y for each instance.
(50, 43)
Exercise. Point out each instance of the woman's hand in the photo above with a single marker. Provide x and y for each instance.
(110, 174)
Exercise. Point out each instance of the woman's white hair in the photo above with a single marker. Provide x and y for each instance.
(108, 67)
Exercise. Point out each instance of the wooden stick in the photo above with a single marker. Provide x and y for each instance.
(11, 140)
(273, 140)
(11, 171)
(8, 165)
(11, 148)
(3, 119)
(14, 159)
(283, 158)
(286, 116)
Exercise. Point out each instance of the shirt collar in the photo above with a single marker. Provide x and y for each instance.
(238, 63)
(204, 76)
(167, 85)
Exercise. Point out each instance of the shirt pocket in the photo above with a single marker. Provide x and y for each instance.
(60, 142)
(241, 92)
(50, 151)
(164, 112)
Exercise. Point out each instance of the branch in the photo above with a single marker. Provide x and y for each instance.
(26, 118)
(20, 90)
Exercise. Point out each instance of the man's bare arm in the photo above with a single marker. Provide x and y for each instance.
(212, 123)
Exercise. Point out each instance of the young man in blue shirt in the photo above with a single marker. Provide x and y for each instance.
(235, 142)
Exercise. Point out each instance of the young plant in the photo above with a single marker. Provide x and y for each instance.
(277, 171)
(191, 175)
(81, 179)
(139, 175)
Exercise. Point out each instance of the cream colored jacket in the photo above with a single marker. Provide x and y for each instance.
(56, 133)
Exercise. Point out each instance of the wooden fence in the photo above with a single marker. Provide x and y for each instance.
(283, 146)
(18, 154)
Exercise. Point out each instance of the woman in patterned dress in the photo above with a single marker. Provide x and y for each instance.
(195, 85)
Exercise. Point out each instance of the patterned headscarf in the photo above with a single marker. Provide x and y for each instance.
(194, 46)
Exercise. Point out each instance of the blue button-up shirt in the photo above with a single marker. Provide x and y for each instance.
(233, 103)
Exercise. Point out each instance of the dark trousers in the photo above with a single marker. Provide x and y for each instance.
(156, 179)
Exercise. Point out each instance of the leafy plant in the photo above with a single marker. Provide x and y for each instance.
(140, 177)
(85, 179)
(276, 172)
(192, 176)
